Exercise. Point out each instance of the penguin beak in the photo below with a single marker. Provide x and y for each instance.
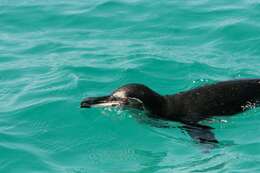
(101, 102)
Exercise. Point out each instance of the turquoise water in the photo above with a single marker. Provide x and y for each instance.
(53, 54)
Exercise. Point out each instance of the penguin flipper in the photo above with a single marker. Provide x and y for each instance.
(200, 133)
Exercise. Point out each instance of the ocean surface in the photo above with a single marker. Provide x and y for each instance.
(55, 53)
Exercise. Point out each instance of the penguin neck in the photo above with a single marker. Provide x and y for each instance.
(155, 106)
(166, 107)
(172, 110)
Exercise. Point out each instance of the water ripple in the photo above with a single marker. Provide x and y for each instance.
(54, 53)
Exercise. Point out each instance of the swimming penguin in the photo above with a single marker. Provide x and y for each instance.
(188, 107)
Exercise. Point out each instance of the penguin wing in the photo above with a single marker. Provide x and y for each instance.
(200, 133)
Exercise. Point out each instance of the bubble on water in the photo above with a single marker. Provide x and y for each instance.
(223, 121)
(217, 120)
(248, 105)
(118, 112)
